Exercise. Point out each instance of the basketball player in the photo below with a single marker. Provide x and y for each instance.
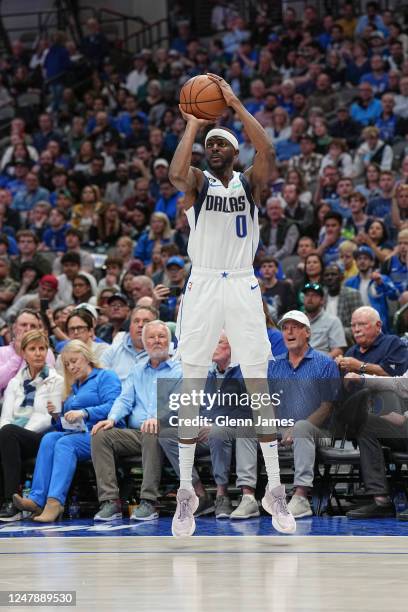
(222, 292)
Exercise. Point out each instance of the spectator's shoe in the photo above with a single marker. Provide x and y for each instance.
(274, 502)
(247, 508)
(299, 507)
(183, 523)
(205, 505)
(109, 511)
(27, 504)
(401, 516)
(8, 512)
(145, 511)
(372, 510)
(223, 507)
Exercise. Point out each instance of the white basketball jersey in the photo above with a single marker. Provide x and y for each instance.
(224, 228)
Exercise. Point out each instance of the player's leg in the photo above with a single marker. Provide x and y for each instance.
(199, 325)
(250, 347)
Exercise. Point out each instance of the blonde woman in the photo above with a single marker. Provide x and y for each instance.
(24, 417)
(347, 250)
(159, 233)
(89, 395)
(85, 214)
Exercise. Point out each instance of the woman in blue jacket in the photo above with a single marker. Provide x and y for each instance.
(90, 392)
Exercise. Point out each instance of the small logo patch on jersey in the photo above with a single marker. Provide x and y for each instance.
(254, 287)
(190, 284)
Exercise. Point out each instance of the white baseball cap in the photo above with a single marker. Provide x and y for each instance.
(295, 315)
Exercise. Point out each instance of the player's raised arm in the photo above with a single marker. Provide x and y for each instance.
(259, 173)
(181, 174)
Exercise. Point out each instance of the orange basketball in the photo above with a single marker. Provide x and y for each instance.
(202, 97)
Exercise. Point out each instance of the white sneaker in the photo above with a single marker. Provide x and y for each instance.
(299, 506)
(274, 502)
(183, 523)
(247, 508)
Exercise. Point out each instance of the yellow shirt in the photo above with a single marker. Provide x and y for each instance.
(348, 25)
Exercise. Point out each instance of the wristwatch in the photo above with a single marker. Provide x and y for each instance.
(363, 368)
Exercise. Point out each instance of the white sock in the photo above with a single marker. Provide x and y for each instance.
(186, 462)
(270, 455)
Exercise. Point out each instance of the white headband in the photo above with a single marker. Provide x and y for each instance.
(223, 134)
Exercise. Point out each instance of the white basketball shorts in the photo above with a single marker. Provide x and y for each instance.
(217, 300)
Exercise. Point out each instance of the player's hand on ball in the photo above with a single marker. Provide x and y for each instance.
(226, 89)
(191, 119)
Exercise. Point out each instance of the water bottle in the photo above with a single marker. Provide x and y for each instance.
(25, 493)
(74, 509)
(27, 488)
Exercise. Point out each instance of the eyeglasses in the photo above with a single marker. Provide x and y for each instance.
(77, 330)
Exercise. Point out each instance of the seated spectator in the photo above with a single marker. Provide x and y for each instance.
(38, 219)
(124, 249)
(327, 186)
(341, 204)
(28, 242)
(47, 290)
(107, 227)
(347, 260)
(160, 232)
(324, 95)
(8, 286)
(71, 264)
(54, 236)
(375, 236)
(392, 128)
(374, 351)
(310, 406)
(367, 108)
(388, 429)
(375, 288)
(396, 267)
(83, 214)
(327, 334)
(372, 150)
(341, 301)
(73, 241)
(90, 394)
(138, 402)
(286, 149)
(358, 219)
(338, 156)
(313, 273)
(118, 315)
(401, 99)
(308, 162)
(26, 198)
(294, 266)
(112, 270)
(83, 288)
(24, 417)
(371, 186)
(167, 202)
(278, 294)
(278, 234)
(279, 128)
(380, 205)
(11, 358)
(122, 189)
(330, 241)
(345, 127)
(80, 325)
(128, 350)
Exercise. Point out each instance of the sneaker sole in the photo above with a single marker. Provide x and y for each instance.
(182, 535)
(223, 515)
(246, 516)
(114, 517)
(152, 517)
(304, 514)
(16, 517)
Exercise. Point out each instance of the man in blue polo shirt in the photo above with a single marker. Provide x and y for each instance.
(374, 352)
(307, 382)
(396, 267)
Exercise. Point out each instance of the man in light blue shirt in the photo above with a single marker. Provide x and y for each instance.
(26, 198)
(138, 402)
(128, 351)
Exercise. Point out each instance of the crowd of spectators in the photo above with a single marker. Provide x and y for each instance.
(93, 235)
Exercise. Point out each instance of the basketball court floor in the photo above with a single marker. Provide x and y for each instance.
(331, 564)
